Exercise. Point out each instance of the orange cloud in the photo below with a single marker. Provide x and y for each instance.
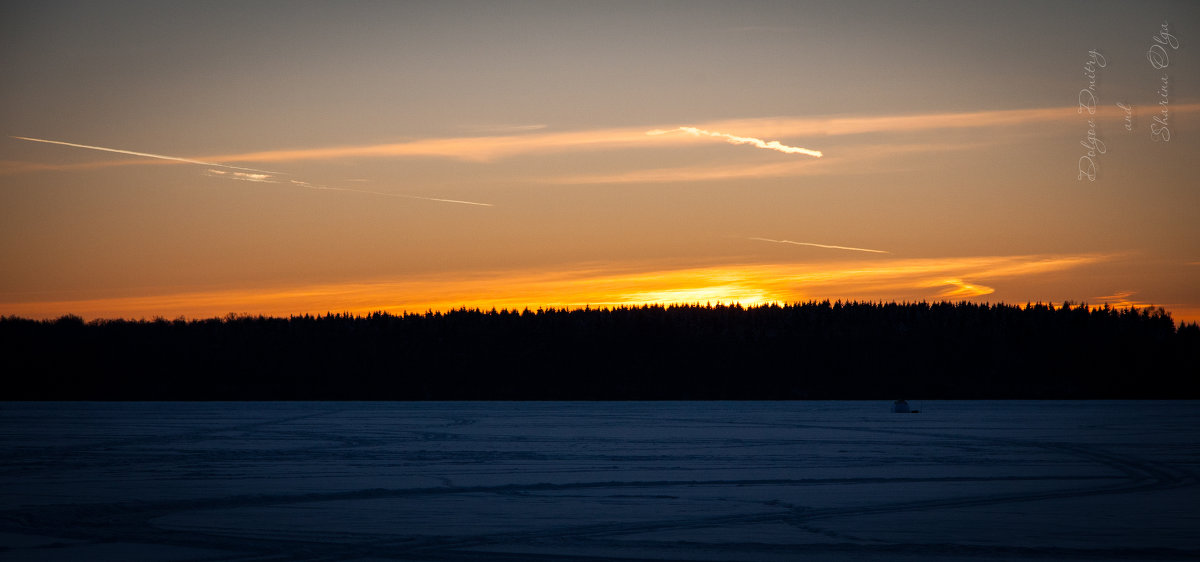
(628, 284)
(1121, 299)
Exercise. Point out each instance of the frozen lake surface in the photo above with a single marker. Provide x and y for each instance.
(750, 481)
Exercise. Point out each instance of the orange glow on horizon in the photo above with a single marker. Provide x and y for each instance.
(751, 284)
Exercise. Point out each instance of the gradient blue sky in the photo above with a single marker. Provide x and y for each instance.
(949, 131)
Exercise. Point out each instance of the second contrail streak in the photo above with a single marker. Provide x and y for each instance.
(822, 245)
(386, 194)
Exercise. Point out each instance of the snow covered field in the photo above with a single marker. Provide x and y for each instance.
(599, 481)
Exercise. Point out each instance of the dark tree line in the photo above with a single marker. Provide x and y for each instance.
(803, 351)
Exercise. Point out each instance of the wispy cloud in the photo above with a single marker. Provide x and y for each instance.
(954, 288)
(762, 29)
(146, 155)
(840, 125)
(734, 139)
(489, 148)
(1121, 299)
(815, 245)
(700, 173)
(475, 149)
(509, 128)
(867, 159)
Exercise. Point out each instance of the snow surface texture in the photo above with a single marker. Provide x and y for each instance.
(600, 481)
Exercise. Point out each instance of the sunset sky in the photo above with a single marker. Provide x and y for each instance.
(302, 157)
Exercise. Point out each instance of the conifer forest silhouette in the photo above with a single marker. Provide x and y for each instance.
(815, 350)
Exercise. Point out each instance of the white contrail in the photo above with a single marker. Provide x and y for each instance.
(262, 176)
(821, 245)
(734, 139)
(147, 155)
(386, 194)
